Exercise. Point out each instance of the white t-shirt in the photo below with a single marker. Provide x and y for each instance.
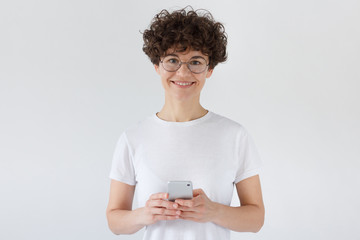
(213, 152)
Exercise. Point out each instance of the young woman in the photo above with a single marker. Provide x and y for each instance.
(185, 141)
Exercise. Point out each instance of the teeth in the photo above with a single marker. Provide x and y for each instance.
(182, 84)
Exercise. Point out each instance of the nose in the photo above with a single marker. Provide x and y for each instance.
(183, 70)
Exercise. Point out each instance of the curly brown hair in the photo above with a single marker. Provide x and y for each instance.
(184, 30)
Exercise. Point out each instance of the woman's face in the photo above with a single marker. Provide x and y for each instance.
(171, 80)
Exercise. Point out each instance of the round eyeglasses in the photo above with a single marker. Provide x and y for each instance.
(172, 63)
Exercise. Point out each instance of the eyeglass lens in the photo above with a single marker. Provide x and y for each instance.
(195, 65)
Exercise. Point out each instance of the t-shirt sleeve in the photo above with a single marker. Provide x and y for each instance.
(122, 168)
(248, 158)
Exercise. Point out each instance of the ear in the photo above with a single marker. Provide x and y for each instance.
(157, 69)
(209, 73)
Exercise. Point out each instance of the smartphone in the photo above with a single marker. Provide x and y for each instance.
(180, 189)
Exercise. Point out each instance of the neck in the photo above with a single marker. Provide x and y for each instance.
(181, 111)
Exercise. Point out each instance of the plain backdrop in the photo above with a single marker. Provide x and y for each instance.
(73, 76)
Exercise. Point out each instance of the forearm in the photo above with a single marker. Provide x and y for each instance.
(248, 218)
(125, 221)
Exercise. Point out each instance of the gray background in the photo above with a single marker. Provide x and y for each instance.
(73, 77)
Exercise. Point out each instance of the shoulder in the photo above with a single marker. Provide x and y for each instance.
(228, 124)
(137, 129)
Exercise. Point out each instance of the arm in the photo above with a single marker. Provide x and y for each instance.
(119, 215)
(123, 220)
(249, 217)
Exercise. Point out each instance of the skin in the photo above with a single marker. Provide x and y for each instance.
(183, 104)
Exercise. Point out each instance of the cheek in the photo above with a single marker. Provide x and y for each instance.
(202, 79)
(165, 79)
(165, 75)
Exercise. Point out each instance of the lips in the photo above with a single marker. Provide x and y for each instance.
(183, 83)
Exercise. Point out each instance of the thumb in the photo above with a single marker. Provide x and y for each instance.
(197, 192)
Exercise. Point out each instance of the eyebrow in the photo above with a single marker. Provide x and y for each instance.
(173, 54)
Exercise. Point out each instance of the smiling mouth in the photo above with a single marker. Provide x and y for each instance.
(183, 84)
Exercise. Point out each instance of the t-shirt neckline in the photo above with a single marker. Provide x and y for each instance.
(187, 123)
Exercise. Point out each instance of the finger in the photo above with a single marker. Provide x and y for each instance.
(185, 203)
(162, 203)
(195, 202)
(165, 212)
(161, 195)
(197, 209)
(154, 203)
(197, 192)
(185, 209)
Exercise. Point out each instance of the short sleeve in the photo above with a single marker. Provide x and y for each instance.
(122, 168)
(248, 159)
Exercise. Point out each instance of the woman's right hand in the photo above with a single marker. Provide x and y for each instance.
(159, 208)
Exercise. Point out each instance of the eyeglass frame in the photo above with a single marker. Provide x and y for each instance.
(187, 63)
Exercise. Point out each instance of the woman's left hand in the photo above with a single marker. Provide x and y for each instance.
(198, 209)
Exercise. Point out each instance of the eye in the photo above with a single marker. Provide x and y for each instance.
(172, 61)
(195, 62)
